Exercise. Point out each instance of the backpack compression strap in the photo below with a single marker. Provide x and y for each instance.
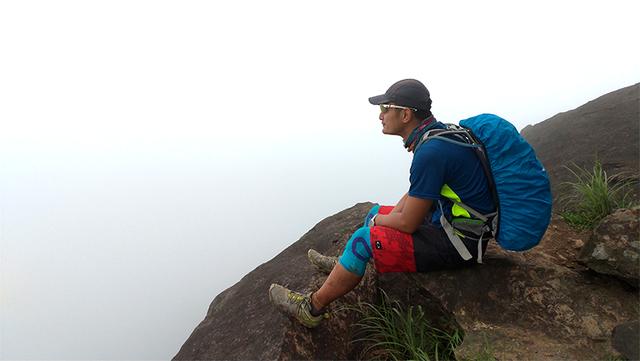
(454, 238)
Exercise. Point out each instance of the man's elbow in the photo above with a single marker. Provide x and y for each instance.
(408, 227)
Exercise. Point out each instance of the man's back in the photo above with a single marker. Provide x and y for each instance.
(437, 163)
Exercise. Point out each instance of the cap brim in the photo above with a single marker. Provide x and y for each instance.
(379, 99)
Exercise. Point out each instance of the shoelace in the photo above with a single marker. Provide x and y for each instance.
(303, 303)
(295, 297)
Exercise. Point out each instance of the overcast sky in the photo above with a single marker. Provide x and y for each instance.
(154, 152)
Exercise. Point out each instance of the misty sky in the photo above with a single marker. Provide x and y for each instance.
(154, 152)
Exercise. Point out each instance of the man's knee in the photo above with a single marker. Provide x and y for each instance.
(357, 252)
(372, 212)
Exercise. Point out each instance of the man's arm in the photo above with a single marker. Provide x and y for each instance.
(409, 218)
(400, 206)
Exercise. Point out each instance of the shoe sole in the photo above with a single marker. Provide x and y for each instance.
(273, 285)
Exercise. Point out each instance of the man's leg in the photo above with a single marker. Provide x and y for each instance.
(393, 251)
(339, 283)
(349, 270)
(345, 276)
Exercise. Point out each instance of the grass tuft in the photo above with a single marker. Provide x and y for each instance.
(594, 195)
(391, 332)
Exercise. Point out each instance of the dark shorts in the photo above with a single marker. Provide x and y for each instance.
(427, 249)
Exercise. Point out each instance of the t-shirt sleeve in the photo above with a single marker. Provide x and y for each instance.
(427, 174)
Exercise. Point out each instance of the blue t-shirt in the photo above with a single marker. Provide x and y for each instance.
(436, 163)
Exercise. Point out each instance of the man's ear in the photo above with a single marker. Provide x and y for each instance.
(407, 115)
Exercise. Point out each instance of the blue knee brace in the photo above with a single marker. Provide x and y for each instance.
(374, 210)
(357, 251)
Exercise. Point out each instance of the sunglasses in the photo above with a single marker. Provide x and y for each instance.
(385, 107)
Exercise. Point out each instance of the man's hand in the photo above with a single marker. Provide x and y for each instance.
(411, 216)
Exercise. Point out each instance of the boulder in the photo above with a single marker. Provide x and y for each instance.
(540, 304)
(614, 248)
(626, 339)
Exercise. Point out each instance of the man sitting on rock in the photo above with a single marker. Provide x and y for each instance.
(408, 237)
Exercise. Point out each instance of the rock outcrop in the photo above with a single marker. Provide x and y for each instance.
(540, 304)
(614, 248)
(607, 128)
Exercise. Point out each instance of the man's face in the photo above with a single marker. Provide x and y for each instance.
(392, 121)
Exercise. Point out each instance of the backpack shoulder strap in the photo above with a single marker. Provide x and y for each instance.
(453, 134)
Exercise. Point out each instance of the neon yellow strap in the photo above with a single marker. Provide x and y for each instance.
(456, 210)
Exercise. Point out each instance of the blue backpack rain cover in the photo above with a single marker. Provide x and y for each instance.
(521, 182)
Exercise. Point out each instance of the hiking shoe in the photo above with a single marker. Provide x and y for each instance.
(294, 304)
(323, 263)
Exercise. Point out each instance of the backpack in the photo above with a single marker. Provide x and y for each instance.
(519, 183)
